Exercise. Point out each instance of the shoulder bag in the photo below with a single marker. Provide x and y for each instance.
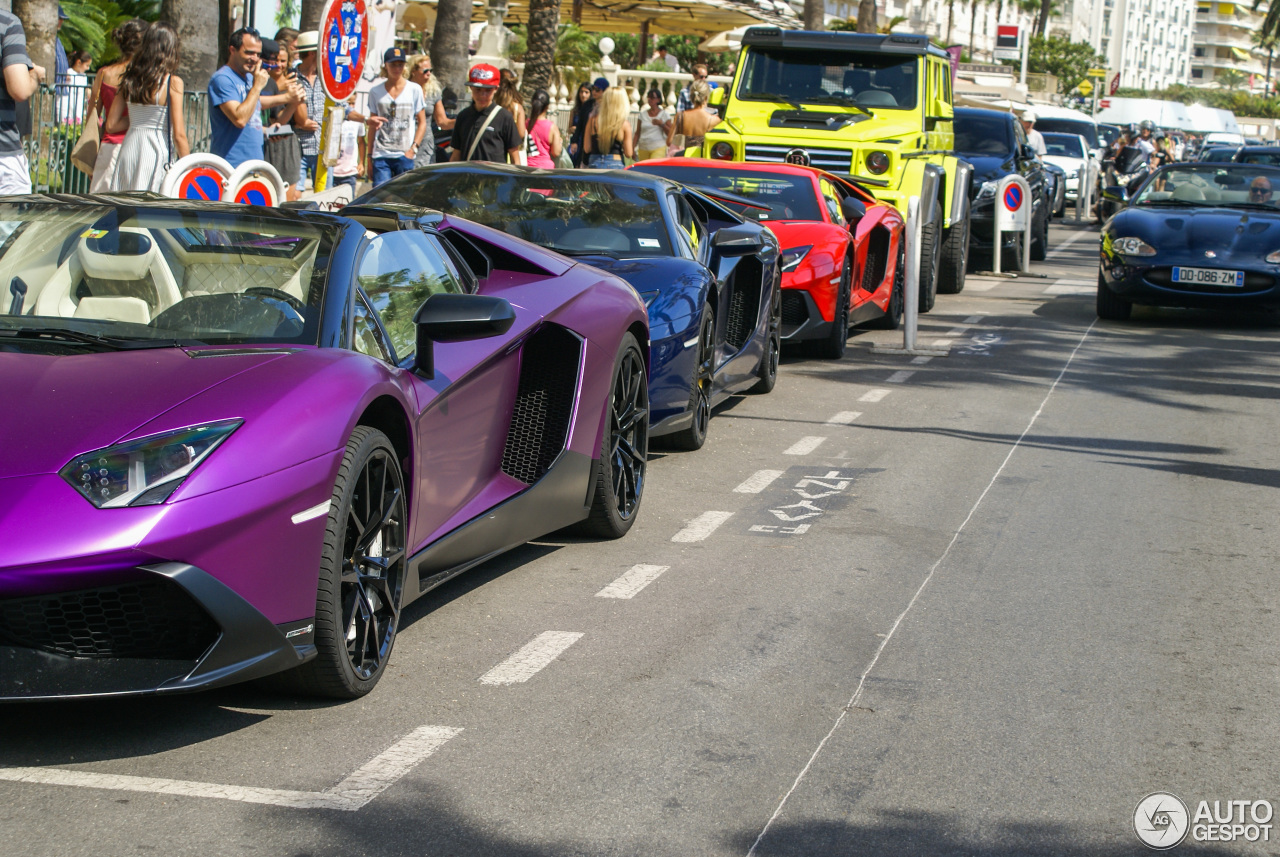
(475, 141)
(85, 152)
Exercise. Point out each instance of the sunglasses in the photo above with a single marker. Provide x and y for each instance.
(1259, 191)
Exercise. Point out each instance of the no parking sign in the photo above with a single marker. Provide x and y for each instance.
(1013, 214)
(344, 40)
(197, 176)
(255, 183)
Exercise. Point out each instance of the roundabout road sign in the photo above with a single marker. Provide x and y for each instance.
(344, 41)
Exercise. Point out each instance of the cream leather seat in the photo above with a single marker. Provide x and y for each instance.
(124, 275)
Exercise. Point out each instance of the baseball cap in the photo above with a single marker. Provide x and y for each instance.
(601, 83)
(271, 49)
(393, 55)
(1030, 116)
(62, 15)
(483, 76)
(307, 41)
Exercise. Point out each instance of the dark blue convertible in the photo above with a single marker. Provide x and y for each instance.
(710, 279)
(1193, 235)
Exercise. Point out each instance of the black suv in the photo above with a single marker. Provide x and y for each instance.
(994, 142)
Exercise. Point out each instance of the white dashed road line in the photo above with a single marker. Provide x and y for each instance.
(844, 418)
(536, 654)
(757, 482)
(804, 446)
(1069, 289)
(900, 376)
(636, 578)
(961, 330)
(973, 319)
(973, 286)
(351, 794)
(941, 343)
(701, 527)
(874, 395)
(924, 358)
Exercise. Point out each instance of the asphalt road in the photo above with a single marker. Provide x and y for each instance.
(980, 605)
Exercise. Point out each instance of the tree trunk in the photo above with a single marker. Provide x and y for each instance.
(867, 16)
(40, 23)
(1042, 19)
(199, 23)
(540, 58)
(999, 12)
(310, 17)
(973, 23)
(1267, 91)
(951, 19)
(449, 44)
(813, 17)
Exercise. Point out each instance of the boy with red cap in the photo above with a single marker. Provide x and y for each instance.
(484, 131)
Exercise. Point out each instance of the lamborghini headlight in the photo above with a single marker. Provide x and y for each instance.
(792, 256)
(1132, 247)
(144, 472)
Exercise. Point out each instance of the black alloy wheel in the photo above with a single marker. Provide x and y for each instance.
(892, 317)
(833, 346)
(362, 571)
(624, 452)
(768, 369)
(1110, 306)
(695, 435)
(930, 259)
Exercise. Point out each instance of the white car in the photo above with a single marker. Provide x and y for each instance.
(1071, 153)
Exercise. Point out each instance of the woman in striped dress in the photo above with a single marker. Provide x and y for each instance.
(152, 95)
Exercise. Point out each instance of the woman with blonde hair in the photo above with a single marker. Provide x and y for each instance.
(695, 122)
(106, 82)
(150, 97)
(609, 138)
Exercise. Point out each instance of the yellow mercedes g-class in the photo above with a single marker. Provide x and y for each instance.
(878, 107)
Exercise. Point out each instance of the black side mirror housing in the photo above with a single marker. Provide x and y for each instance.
(741, 240)
(1028, 151)
(853, 210)
(1116, 193)
(456, 318)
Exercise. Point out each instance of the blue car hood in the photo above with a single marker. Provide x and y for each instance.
(1194, 230)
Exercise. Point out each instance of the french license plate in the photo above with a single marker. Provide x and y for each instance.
(1209, 277)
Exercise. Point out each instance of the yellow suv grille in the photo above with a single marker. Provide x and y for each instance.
(832, 160)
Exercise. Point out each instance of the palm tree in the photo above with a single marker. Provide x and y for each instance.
(200, 25)
(951, 18)
(310, 18)
(867, 16)
(1268, 42)
(1229, 79)
(813, 14)
(540, 58)
(973, 22)
(449, 43)
(40, 24)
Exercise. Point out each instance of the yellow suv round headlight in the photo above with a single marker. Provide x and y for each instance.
(878, 163)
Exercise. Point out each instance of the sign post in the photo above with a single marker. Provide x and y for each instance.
(344, 43)
(1013, 214)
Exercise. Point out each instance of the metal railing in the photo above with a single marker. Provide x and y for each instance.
(57, 116)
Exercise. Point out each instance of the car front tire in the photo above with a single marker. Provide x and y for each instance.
(930, 259)
(624, 451)
(833, 346)
(1110, 306)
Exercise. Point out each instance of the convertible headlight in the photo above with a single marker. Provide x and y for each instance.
(1071, 174)
(1274, 258)
(144, 472)
(987, 190)
(792, 256)
(1132, 247)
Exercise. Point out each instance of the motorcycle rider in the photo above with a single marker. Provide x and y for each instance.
(1145, 140)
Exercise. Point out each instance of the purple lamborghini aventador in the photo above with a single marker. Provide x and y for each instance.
(238, 441)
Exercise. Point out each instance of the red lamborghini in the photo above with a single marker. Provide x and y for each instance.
(842, 251)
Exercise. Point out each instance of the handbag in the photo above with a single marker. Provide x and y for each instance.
(85, 152)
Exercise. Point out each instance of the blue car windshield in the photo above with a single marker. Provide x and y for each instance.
(571, 213)
(163, 274)
(1221, 185)
(785, 197)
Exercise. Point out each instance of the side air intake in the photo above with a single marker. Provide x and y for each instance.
(544, 403)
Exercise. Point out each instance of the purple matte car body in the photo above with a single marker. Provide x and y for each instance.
(238, 441)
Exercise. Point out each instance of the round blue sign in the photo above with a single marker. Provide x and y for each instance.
(1013, 197)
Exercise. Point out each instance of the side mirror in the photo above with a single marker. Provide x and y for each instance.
(455, 318)
(1116, 193)
(737, 241)
(717, 96)
(853, 210)
(1028, 151)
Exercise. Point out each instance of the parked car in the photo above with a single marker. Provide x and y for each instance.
(842, 251)
(709, 277)
(1055, 179)
(995, 143)
(1071, 153)
(241, 440)
(1179, 241)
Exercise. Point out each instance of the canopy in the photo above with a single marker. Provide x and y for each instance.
(664, 17)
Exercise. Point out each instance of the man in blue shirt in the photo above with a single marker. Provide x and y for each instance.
(236, 91)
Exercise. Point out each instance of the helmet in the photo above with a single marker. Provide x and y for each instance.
(1147, 125)
(1131, 129)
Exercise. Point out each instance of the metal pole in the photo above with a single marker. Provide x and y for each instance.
(1026, 49)
(997, 247)
(1026, 244)
(911, 285)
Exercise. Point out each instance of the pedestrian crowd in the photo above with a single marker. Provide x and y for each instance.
(266, 102)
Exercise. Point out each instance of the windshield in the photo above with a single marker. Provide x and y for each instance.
(1063, 145)
(984, 132)
(1213, 185)
(864, 80)
(570, 213)
(786, 197)
(156, 275)
(1108, 134)
(1271, 157)
(1070, 126)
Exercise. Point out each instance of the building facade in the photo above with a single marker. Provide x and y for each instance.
(1148, 41)
(1224, 53)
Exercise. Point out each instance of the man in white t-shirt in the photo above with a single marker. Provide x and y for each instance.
(397, 121)
(672, 62)
(347, 168)
(1034, 137)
